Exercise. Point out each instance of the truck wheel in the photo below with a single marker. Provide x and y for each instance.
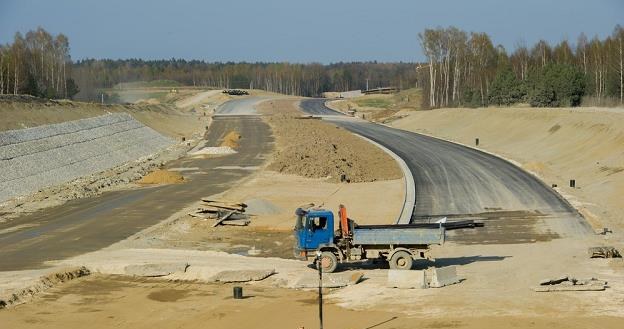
(401, 260)
(328, 262)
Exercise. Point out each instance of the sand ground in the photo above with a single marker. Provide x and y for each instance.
(115, 301)
(497, 278)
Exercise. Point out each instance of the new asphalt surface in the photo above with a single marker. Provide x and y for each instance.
(461, 182)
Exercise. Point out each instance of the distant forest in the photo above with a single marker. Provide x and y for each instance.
(462, 69)
(292, 79)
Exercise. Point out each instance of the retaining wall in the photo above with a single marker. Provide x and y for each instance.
(34, 158)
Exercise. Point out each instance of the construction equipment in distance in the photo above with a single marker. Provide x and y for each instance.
(399, 245)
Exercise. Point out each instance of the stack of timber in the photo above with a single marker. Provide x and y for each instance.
(223, 212)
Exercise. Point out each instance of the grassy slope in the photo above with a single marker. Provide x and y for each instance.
(380, 107)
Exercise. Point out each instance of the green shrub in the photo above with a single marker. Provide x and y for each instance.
(471, 98)
(556, 85)
(506, 89)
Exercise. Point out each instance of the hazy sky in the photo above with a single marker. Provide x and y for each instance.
(295, 30)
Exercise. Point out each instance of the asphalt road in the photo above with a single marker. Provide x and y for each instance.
(86, 225)
(241, 106)
(457, 181)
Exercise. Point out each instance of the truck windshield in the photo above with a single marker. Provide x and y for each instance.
(299, 223)
(318, 223)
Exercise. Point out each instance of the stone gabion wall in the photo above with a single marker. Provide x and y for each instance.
(34, 158)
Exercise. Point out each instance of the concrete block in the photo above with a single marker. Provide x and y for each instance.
(444, 276)
(155, 270)
(406, 279)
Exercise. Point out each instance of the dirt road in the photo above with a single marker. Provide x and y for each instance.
(240, 106)
(86, 225)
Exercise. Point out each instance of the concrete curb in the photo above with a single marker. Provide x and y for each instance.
(515, 163)
(410, 188)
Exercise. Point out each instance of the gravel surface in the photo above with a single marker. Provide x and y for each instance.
(34, 158)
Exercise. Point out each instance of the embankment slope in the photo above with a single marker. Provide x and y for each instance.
(19, 112)
(38, 157)
(555, 144)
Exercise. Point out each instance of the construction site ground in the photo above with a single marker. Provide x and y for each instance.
(495, 291)
(114, 301)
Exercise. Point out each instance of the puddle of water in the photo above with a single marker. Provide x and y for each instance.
(168, 295)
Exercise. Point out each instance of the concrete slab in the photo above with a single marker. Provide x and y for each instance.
(243, 275)
(406, 279)
(444, 276)
(155, 270)
(330, 280)
(203, 265)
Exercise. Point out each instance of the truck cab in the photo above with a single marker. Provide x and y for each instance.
(314, 229)
(398, 245)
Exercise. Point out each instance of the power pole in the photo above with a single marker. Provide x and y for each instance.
(320, 289)
(366, 84)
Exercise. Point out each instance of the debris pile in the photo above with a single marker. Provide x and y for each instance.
(431, 278)
(223, 212)
(162, 177)
(566, 283)
(231, 139)
(603, 252)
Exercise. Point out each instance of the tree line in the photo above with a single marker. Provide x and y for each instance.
(466, 69)
(462, 69)
(286, 78)
(37, 64)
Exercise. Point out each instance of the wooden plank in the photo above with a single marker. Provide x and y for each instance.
(223, 218)
(217, 209)
(221, 207)
(203, 216)
(237, 222)
(224, 202)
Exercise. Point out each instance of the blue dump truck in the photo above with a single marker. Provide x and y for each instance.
(399, 245)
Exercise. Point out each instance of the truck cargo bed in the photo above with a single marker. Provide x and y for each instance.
(418, 234)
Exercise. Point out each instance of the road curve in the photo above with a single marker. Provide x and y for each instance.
(240, 106)
(454, 180)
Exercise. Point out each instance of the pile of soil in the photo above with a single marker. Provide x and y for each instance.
(231, 139)
(162, 177)
(317, 149)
